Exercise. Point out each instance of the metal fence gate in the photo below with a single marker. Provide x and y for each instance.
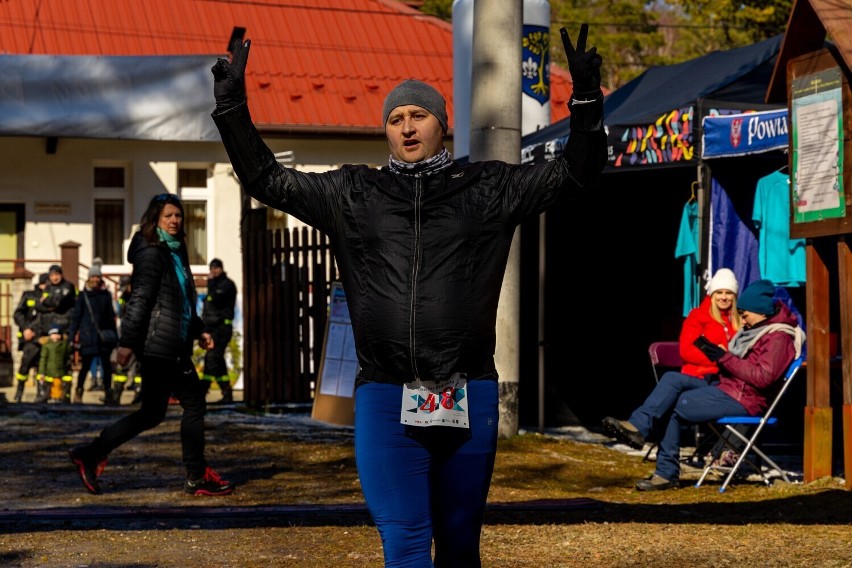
(6, 342)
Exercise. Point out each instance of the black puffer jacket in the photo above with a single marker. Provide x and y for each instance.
(27, 315)
(81, 319)
(151, 323)
(422, 258)
(220, 301)
(56, 305)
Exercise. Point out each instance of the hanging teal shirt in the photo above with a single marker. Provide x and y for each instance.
(687, 248)
(782, 259)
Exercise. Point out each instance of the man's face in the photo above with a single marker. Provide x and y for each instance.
(414, 134)
(55, 278)
(216, 271)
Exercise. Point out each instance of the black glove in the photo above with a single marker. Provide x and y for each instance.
(585, 66)
(229, 78)
(713, 351)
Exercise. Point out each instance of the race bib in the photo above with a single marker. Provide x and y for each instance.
(435, 403)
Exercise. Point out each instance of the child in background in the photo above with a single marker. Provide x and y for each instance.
(127, 376)
(55, 366)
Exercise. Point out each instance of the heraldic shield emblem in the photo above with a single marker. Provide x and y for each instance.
(535, 63)
(736, 132)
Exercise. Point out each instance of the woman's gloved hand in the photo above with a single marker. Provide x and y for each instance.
(713, 352)
(229, 78)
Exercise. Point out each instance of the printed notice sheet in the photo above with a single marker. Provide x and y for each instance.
(817, 126)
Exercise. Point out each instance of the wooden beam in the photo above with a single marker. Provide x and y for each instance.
(844, 264)
(818, 413)
(805, 33)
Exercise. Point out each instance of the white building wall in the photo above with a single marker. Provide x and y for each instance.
(58, 191)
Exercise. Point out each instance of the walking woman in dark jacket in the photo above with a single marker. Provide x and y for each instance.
(159, 326)
(94, 318)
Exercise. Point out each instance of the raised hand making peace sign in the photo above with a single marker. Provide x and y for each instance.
(585, 66)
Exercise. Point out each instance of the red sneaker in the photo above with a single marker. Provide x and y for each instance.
(210, 484)
(89, 468)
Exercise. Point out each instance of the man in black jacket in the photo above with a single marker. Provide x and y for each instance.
(218, 318)
(28, 320)
(422, 245)
(58, 300)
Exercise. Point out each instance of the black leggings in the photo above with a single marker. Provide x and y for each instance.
(214, 360)
(106, 369)
(162, 378)
(30, 357)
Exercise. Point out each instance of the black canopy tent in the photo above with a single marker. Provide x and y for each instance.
(736, 79)
(613, 285)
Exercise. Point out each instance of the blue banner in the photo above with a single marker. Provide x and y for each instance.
(747, 133)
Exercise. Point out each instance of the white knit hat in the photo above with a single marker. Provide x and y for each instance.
(724, 279)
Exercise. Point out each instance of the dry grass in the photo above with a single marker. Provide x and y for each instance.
(48, 520)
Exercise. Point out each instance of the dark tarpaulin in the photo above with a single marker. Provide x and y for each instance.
(114, 97)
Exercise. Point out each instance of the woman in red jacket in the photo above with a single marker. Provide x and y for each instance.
(716, 319)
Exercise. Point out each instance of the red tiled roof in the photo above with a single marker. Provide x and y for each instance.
(315, 64)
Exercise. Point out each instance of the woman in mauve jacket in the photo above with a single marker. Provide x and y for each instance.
(750, 371)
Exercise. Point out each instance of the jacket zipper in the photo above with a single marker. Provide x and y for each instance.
(418, 192)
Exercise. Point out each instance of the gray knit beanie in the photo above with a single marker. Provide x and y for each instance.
(413, 92)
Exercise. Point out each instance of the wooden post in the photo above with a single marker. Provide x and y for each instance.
(804, 73)
(817, 450)
(844, 263)
(71, 262)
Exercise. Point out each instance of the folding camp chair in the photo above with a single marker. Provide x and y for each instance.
(724, 429)
(665, 356)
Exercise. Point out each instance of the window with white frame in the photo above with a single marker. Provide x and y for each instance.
(195, 226)
(195, 195)
(108, 226)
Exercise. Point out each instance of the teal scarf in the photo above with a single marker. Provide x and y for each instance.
(183, 277)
